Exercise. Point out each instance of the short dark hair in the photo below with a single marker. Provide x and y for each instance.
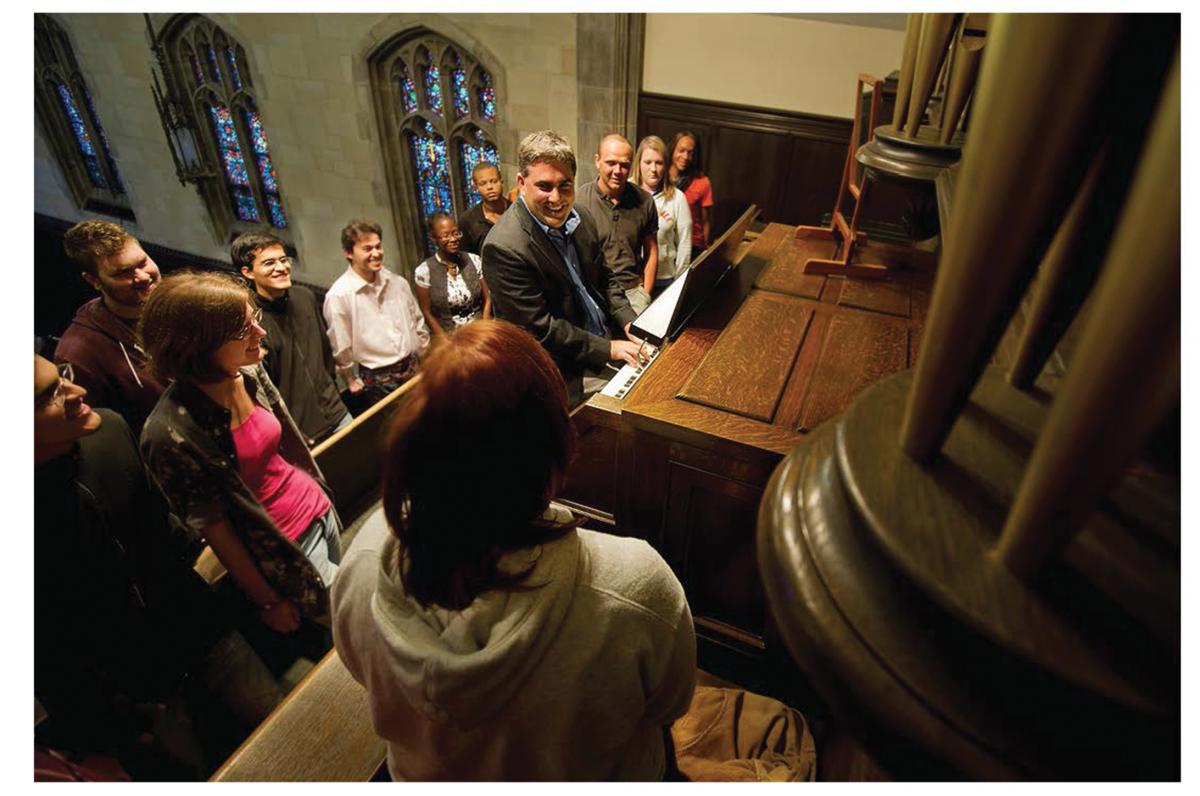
(545, 146)
(697, 162)
(89, 241)
(187, 318)
(481, 165)
(245, 248)
(434, 218)
(489, 415)
(357, 227)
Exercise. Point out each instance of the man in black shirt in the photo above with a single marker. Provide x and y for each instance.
(299, 359)
(478, 221)
(626, 219)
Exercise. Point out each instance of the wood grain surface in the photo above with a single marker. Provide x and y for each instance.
(858, 352)
(745, 371)
(908, 507)
(322, 732)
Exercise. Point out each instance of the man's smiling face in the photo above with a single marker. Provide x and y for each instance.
(549, 192)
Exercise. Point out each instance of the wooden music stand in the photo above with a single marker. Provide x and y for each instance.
(845, 233)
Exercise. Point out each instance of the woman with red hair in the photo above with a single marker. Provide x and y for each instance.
(497, 639)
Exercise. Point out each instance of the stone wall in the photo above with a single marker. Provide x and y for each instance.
(310, 74)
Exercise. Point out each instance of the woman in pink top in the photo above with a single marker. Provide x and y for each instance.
(685, 174)
(227, 454)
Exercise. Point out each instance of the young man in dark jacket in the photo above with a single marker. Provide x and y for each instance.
(299, 359)
(100, 343)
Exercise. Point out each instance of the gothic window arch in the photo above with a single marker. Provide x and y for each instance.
(437, 107)
(207, 71)
(67, 110)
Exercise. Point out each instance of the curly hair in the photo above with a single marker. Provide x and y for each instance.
(357, 227)
(88, 242)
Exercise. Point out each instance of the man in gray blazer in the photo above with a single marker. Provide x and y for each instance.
(544, 265)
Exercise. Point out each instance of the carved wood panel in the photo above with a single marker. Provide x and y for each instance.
(708, 539)
(746, 370)
(859, 351)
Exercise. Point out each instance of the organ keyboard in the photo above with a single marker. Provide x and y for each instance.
(618, 386)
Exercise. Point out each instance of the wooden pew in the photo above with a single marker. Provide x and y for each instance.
(351, 460)
(321, 733)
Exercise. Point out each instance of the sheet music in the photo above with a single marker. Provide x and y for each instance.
(654, 323)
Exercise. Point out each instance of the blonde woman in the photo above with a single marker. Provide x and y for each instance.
(674, 217)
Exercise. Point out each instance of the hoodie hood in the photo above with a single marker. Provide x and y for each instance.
(96, 317)
(458, 666)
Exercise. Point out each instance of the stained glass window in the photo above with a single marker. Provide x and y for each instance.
(408, 90)
(108, 155)
(234, 74)
(82, 138)
(462, 98)
(213, 65)
(246, 191)
(487, 98)
(471, 154)
(71, 124)
(275, 207)
(433, 87)
(433, 171)
(266, 169)
(430, 86)
(236, 177)
(197, 70)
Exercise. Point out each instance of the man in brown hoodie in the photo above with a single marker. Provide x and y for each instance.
(100, 342)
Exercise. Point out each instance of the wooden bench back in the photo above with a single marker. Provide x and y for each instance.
(321, 733)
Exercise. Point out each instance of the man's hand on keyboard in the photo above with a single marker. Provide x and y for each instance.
(626, 351)
(629, 333)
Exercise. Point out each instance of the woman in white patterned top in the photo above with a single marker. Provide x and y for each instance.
(674, 217)
(450, 287)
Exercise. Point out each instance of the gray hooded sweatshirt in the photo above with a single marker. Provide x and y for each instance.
(572, 680)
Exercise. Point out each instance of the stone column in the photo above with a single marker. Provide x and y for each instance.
(609, 69)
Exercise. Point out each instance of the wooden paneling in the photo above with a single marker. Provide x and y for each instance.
(892, 298)
(593, 478)
(757, 348)
(789, 164)
(709, 541)
(785, 273)
(858, 352)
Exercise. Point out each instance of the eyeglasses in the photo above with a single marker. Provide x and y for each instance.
(455, 235)
(255, 320)
(57, 396)
(278, 263)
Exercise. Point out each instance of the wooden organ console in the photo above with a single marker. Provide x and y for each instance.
(973, 568)
(683, 459)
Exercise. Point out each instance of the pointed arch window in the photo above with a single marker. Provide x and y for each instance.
(207, 72)
(67, 111)
(439, 120)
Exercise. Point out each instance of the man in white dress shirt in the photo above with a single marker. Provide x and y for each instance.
(375, 326)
